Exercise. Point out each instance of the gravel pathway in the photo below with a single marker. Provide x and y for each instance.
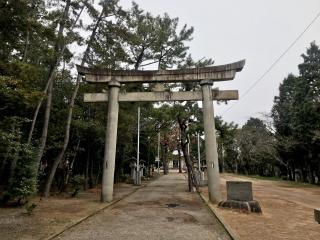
(161, 210)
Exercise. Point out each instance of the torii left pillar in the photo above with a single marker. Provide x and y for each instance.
(111, 142)
(210, 142)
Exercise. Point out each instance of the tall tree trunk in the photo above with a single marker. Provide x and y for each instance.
(165, 160)
(179, 161)
(44, 134)
(44, 94)
(148, 160)
(26, 45)
(139, 59)
(59, 51)
(293, 172)
(91, 176)
(184, 143)
(70, 112)
(162, 157)
(3, 178)
(304, 175)
(15, 158)
(86, 172)
(222, 159)
(236, 166)
(191, 173)
(98, 173)
(312, 179)
(70, 168)
(289, 173)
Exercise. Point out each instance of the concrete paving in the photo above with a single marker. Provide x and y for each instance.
(161, 210)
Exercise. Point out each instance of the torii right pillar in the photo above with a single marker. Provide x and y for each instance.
(210, 142)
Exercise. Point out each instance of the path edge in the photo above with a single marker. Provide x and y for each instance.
(219, 217)
(54, 235)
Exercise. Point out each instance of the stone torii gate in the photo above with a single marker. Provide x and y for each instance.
(204, 76)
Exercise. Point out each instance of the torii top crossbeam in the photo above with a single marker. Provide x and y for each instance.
(215, 73)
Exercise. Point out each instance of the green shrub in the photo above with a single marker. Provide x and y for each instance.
(23, 183)
(122, 178)
(29, 208)
(76, 181)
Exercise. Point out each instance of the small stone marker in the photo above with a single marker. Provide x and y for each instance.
(239, 191)
(200, 179)
(239, 196)
(317, 215)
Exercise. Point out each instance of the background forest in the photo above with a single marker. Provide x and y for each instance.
(51, 140)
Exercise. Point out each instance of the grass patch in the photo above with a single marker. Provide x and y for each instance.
(265, 178)
(286, 183)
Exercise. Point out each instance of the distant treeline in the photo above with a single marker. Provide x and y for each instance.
(286, 142)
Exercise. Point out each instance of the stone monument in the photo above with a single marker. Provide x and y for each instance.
(239, 196)
(317, 215)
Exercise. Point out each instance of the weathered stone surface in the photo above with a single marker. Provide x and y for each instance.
(203, 183)
(246, 206)
(200, 179)
(239, 196)
(239, 191)
(210, 143)
(110, 143)
(162, 96)
(317, 215)
(215, 73)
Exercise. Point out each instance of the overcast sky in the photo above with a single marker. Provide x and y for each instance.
(258, 31)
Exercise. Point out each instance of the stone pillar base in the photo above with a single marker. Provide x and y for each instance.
(245, 206)
(317, 215)
(200, 179)
(137, 178)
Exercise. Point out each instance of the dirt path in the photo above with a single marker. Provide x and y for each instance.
(287, 211)
(53, 215)
(162, 210)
